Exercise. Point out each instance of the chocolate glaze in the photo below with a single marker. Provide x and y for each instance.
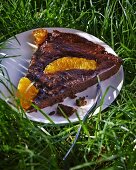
(54, 88)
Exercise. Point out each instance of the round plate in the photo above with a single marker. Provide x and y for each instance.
(21, 47)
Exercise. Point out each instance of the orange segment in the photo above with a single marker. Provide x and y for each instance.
(26, 92)
(40, 35)
(68, 63)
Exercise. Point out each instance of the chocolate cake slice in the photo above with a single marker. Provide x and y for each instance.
(51, 71)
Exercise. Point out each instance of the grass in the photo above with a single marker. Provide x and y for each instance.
(105, 144)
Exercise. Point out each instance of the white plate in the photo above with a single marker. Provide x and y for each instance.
(17, 67)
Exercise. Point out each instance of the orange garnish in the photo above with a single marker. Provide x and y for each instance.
(68, 63)
(40, 35)
(26, 92)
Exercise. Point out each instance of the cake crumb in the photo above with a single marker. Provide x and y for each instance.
(63, 110)
(81, 101)
(52, 113)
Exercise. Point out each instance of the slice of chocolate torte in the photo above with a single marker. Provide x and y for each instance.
(63, 65)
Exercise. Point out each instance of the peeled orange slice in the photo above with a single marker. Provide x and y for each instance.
(26, 92)
(68, 63)
(40, 35)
